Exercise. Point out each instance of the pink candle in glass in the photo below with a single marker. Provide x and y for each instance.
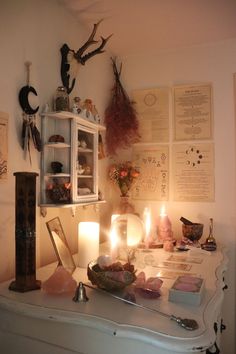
(164, 227)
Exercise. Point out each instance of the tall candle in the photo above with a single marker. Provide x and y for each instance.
(147, 222)
(164, 227)
(114, 243)
(88, 242)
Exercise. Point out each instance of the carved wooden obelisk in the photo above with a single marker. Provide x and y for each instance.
(25, 234)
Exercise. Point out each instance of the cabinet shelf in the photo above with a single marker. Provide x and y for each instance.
(72, 206)
(80, 120)
(57, 145)
(84, 176)
(56, 175)
(84, 150)
(64, 189)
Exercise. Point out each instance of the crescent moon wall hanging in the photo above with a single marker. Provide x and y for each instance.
(29, 130)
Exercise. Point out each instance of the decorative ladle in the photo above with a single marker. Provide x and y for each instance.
(186, 323)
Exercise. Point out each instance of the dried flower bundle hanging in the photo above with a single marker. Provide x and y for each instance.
(120, 117)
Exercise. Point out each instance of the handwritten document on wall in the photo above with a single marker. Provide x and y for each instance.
(193, 172)
(152, 106)
(153, 163)
(192, 112)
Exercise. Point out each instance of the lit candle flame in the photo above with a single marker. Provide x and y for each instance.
(163, 211)
(148, 223)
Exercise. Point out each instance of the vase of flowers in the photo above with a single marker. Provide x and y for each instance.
(124, 175)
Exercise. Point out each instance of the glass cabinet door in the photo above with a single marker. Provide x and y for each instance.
(56, 160)
(85, 164)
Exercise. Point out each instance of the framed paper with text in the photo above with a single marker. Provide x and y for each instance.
(193, 172)
(152, 106)
(193, 116)
(153, 164)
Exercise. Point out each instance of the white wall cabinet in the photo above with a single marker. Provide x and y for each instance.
(69, 160)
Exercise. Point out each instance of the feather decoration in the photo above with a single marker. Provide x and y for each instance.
(120, 117)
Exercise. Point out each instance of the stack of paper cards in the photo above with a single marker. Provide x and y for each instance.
(187, 289)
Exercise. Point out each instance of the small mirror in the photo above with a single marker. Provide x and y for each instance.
(60, 244)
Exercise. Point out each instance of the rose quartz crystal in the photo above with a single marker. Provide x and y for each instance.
(140, 280)
(61, 281)
(153, 283)
(168, 246)
(164, 229)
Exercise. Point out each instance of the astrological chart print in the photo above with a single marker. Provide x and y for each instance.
(193, 116)
(193, 172)
(3, 145)
(152, 107)
(153, 163)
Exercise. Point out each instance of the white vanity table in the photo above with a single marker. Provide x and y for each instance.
(34, 322)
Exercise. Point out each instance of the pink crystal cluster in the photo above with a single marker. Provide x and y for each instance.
(165, 233)
(148, 288)
(164, 229)
(61, 281)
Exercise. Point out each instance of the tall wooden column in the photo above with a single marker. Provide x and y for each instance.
(25, 234)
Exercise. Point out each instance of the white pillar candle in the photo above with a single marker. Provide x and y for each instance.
(88, 242)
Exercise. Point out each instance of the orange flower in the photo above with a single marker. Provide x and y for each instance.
(134, 173)
(123, 173)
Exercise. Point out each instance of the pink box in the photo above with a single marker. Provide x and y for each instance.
(187, 289)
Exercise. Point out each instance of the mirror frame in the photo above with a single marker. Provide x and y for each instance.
(60, 244)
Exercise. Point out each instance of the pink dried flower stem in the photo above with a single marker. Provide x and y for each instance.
(120, 117)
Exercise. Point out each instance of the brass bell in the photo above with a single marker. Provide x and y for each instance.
(80, 293)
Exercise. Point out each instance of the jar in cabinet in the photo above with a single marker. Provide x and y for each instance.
(61, 99)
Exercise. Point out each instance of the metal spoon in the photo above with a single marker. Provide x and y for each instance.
(186, 323)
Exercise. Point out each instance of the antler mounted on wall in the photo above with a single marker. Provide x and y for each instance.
(71, 60)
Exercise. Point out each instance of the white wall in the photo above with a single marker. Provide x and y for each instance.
(213, 63)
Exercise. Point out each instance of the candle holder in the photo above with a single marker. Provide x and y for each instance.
(127, 231)
(25, 238)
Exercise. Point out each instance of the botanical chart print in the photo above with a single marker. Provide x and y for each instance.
(193, 172)
(153, 163)
(3, 145)
(193, 116)
(152, 106)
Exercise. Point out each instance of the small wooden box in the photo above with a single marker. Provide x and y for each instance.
(187, 289)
